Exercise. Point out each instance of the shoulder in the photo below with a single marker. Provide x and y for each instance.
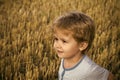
(95, 71)
(87, 61)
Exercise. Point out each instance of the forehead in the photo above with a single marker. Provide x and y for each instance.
(62, 31)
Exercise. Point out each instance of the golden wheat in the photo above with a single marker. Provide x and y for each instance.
(26, 51)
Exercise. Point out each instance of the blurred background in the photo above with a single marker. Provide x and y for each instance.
(26, 51)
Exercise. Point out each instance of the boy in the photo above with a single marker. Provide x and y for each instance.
(73, 36)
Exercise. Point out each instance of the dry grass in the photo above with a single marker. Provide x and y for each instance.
(26, 51)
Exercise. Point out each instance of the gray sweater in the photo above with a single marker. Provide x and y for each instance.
(85, 69)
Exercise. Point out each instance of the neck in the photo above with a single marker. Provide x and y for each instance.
(71, 62)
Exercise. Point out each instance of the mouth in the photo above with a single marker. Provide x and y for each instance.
(58, 51)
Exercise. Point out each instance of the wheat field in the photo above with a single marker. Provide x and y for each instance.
(26, 44)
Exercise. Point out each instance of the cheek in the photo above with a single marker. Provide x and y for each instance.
(71, 48)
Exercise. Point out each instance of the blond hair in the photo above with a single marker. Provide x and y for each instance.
(79, 24)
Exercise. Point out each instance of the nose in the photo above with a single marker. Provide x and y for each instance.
(57, 45)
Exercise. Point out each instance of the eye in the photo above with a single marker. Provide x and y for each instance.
(55, 39)
(64, 41)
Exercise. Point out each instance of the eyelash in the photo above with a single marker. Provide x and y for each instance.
(55, 39)
(64, 41)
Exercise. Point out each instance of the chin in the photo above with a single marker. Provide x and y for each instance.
(60, 56)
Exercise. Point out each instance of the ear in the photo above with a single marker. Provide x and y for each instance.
(83, 45)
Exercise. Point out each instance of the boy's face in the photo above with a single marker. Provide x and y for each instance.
(65, 45)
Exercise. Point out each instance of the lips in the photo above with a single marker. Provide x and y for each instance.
(58, 51)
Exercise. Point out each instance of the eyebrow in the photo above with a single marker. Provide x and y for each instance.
(54, 35)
